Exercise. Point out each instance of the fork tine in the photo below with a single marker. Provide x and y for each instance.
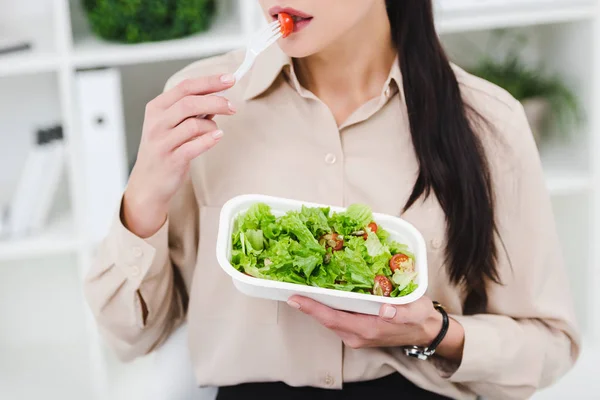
(271, 27)
(273, 39)
(266, 35)
(274, 23)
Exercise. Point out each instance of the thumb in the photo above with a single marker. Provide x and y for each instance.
(388, 312)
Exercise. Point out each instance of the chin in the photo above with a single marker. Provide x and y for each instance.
(299, 47)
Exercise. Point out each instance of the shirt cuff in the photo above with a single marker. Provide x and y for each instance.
(480, 352)
(136, 257)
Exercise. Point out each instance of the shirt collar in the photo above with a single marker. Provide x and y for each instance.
(271, 63)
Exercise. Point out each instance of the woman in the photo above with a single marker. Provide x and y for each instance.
(358, 105)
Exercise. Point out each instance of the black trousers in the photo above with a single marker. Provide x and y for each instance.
(393, 386)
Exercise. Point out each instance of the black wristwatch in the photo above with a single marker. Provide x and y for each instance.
(423, 353)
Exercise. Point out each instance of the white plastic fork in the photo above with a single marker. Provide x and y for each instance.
(258, 43)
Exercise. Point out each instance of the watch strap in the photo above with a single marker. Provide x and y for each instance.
(424, 353)
(445, 324)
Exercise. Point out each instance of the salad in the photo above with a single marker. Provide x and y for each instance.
(313, 246)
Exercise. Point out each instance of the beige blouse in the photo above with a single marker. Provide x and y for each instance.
(284, 141)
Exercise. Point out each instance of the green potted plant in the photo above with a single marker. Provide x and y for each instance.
(545, 97)
(136, 21)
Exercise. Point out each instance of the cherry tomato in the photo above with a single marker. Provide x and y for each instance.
(287, 24)
(373, 227)
(402, 262)
(332, 240)
(383, 286)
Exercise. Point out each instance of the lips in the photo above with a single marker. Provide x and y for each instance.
(301, 19)
(295, 14)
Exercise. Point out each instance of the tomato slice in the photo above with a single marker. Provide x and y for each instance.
(373, 227)
(382, 286)
(287, 24)
(401, 262)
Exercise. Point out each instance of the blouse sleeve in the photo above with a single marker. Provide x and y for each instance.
(136, 287)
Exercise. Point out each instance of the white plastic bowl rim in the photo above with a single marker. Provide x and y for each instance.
(239, 204)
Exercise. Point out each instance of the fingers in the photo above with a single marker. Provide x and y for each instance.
(388, 312)
(189, 129)
(192, 106)
(192, 87)
(195, 147)
(406, 313)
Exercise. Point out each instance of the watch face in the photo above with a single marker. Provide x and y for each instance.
(415, 352)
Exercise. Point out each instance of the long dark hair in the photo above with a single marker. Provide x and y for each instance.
(452, 161)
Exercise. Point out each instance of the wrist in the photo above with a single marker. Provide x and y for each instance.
(451, 348)
(440, 335)
(431, 327)
(142, 215)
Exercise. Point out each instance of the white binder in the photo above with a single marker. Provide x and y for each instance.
(35, 194)
(104, 157)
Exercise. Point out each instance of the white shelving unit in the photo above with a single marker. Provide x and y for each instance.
(63, 44)
(468, 15)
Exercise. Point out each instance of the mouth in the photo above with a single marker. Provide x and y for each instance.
(301, 19)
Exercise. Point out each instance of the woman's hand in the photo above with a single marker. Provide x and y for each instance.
(416, 323)
(172, 137)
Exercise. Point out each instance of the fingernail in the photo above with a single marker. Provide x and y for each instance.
(389, 311)
(227, 78)
(293, 304)
(231, 106)
(217, 134)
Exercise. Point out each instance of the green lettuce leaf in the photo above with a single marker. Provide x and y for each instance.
(381, 265)
(360, 213)
(271, 230)
(354, 267)
(342, 224)
(326, 276)
(396, 248)
(253, 217)
(255, 238)
(406, 291)
(307, 264)
(292, 223)
(402, 279)
(355, 218)
(315, 220)
(382, 234)
(374, 246)
(356, 243)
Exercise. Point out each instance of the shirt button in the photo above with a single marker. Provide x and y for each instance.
(330, 159)
(137, 252)
(436, 243)
(135, 270)
(387, 92)
(329, 381)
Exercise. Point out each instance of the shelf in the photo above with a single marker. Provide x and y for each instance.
(27, 62)
(58, 238)
(39, 58)
(493, 14)
(91, 51)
